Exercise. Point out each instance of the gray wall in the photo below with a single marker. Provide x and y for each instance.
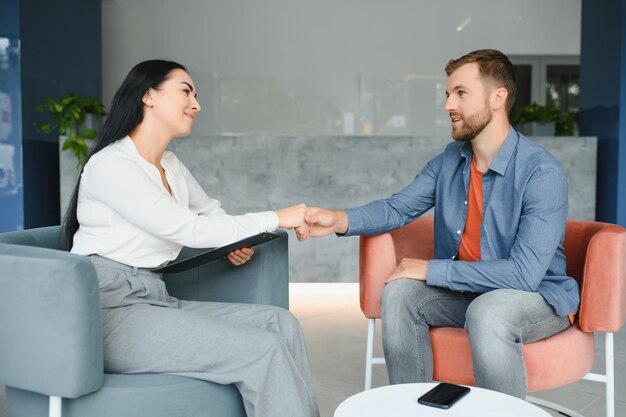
(304, 69)
(255, 173)
(301, 67)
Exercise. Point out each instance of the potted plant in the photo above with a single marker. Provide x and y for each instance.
(72, 114)
(539, 120)
(75, 118)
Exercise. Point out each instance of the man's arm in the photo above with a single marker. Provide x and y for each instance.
(381, 215)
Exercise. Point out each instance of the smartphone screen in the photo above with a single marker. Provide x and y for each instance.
(443, 395)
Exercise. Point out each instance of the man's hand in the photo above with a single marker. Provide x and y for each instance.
(409, 268)
(323, 222)
(240, 256)
(293, 218)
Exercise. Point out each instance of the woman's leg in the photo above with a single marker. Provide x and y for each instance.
(260, 349)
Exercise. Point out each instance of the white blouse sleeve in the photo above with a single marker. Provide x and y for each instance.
(123, 186)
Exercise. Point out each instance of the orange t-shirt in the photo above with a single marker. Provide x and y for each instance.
(469, 249)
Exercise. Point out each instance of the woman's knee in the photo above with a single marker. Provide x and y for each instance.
(285, 318)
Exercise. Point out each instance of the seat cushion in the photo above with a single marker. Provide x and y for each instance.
(559, 360)
(142, 395)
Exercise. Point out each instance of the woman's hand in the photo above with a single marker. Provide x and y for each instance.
(240, 256)
(293, 218)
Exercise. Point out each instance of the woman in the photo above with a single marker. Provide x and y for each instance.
(135, 206)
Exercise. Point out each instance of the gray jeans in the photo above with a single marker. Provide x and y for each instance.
(258, 348)
(497, 323)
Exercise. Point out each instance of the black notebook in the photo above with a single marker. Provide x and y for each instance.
(212, 254)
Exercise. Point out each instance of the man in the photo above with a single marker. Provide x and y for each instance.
(500, 210)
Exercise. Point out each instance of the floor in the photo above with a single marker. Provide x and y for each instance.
(336, 332)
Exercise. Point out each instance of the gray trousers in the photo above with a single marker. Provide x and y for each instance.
(497, 322)
(258, 348)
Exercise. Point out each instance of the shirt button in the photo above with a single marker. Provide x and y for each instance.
(458, 232)
(453, 257)
(465, 202)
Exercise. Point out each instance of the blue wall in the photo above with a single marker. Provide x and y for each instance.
(59, 45)
(603, 100)
(11, 196)
(621, 173)
(61, 53)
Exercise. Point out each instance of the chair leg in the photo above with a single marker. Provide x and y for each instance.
(55, 406)
(608, 378)
(369, 353)
(610, 375)
(553, 406)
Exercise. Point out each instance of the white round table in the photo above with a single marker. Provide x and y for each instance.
(401, 401)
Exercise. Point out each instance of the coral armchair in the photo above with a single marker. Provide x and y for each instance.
(596, 258)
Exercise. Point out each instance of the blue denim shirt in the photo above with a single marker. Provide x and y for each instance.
(521, 235)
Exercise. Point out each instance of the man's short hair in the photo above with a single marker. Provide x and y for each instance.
(493, 65)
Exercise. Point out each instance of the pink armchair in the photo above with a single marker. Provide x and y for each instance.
(596, 258)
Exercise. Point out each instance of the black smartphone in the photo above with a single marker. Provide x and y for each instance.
(443, 395)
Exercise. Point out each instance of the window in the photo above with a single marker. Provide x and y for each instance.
(547, 80)
(552, 81)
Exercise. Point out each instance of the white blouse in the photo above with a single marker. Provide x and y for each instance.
(126, 214)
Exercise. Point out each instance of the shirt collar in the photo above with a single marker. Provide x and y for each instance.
(501, 161)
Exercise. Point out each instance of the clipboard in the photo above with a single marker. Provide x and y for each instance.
(212, 254)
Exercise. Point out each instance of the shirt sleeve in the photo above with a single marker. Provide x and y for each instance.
(123, 186)
(415, 199)
(540, 232)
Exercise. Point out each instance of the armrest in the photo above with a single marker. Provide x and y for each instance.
(44, 237)
(603, 289)
(50, 322)
(379, 255)
(262, 280)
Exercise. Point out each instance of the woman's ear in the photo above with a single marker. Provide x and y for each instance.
(148, 99)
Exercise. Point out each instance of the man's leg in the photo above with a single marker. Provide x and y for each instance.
(409, 308)
(498, 322)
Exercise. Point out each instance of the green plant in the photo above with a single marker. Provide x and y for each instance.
(565, 122)
(69, 114)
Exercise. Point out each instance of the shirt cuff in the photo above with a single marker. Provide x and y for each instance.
(437, 271)
(269, 221)
(353, 219)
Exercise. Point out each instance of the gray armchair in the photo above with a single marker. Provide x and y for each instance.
(51, 333)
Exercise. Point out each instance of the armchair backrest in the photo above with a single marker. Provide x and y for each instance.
(380, 254)
(596, 258)
(43, 237)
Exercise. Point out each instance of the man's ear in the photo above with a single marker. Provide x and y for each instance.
(498, 98)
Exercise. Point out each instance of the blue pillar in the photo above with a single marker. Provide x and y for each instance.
(11, 196)
(603, 100)
(621, 174)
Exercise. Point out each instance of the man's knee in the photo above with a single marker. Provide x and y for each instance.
(401, 293)
(488, 315)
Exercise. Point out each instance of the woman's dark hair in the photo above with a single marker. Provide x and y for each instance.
(125, 114)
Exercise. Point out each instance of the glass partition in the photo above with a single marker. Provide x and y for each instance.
(11, 197)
